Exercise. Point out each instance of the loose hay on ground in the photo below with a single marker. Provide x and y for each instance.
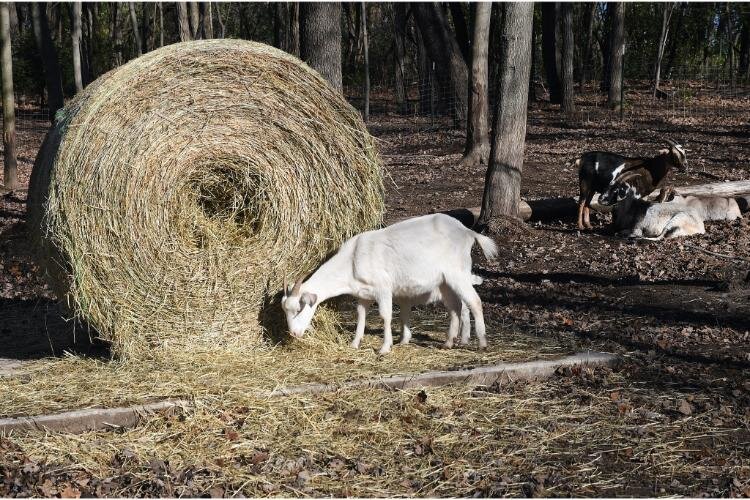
(176, 192)
(595, 433)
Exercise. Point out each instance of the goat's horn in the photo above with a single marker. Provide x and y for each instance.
(286, 286)
(671, 142)
(297, 286)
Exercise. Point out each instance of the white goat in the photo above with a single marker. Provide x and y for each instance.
(636, 218)
(712, 207)
(415, 261)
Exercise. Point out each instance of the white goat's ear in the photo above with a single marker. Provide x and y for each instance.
(308, 299)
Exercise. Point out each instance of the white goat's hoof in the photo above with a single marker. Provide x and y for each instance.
(354, 344)
(405, 340)
(385, 349)
(464, 342)
(483, 344)
(447, 345)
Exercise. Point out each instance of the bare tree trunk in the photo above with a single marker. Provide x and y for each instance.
(477, 149)
(222, 27)
(568, 101)
(195, 18)
(161, 24)
(91, 17)
(48, 53)
(366, 53)
(116, 34)
(13, 20)
(549, 50)
(136, 30)
(399, 46)
(425, 83)
(666, 15)
(76, 36)
(294, 29)
(147, 35)
(206, 20)
(502, 188)
(320, 39)
(280, 26)
(445, 51)
(617, 51)
(744, 65)
(183, 22)
(584, 74)
(10, 169)
(462, 30)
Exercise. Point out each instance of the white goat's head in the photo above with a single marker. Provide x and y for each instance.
(298, 307)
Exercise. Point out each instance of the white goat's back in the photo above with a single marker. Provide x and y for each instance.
(416, 255)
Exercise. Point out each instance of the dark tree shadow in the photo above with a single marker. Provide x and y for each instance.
(33, 329)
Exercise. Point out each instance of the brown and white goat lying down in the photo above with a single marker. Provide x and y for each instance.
(682, 216)
(637, 218)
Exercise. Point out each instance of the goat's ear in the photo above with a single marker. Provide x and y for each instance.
(308, 299)
(663, 151)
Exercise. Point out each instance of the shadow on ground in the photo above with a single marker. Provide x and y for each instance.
(33, 329)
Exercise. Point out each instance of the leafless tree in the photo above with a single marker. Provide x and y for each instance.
(136, 30)
(617, 51)
(366, 54)
(502, 188)
(320, 39)
(568, 103)
(477, 149)
(52, 74)
(10, 171)
(184, 22)
(667, 9)
(399, 50)
(76, 38)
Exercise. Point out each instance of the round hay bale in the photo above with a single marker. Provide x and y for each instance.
(176, 192)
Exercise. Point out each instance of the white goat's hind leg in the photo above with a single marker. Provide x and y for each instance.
(385, 306)
(362, 307)
(453, 304)
(465, 324)
(405, 317)
(469, 296)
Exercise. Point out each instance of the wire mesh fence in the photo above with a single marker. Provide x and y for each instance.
(685, 93)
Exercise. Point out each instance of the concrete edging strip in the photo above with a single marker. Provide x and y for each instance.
(90, 419)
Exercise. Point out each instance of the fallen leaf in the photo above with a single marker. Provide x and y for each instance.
(685, 408)
(70, 492)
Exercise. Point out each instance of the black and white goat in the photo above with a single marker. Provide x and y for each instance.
(601, 172)
(411, 262)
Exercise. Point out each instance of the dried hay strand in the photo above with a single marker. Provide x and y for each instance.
(176, 192)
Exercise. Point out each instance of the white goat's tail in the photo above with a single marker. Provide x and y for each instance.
(489, 247)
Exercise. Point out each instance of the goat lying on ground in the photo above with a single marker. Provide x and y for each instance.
(637, 218)
(409, 262)
(599, 171)
(712, 207)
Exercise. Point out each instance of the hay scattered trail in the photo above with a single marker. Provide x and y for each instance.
(176, 192)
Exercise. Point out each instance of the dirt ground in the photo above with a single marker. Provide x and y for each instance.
(678, 315)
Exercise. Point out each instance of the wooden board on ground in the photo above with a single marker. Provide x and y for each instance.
(79, 421)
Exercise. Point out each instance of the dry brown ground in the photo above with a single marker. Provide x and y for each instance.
(674, 420)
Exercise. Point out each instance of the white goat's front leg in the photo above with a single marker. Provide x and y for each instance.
(453, 304)
(385, 306)
(405, 318)
(362, 307)
(465, 324)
